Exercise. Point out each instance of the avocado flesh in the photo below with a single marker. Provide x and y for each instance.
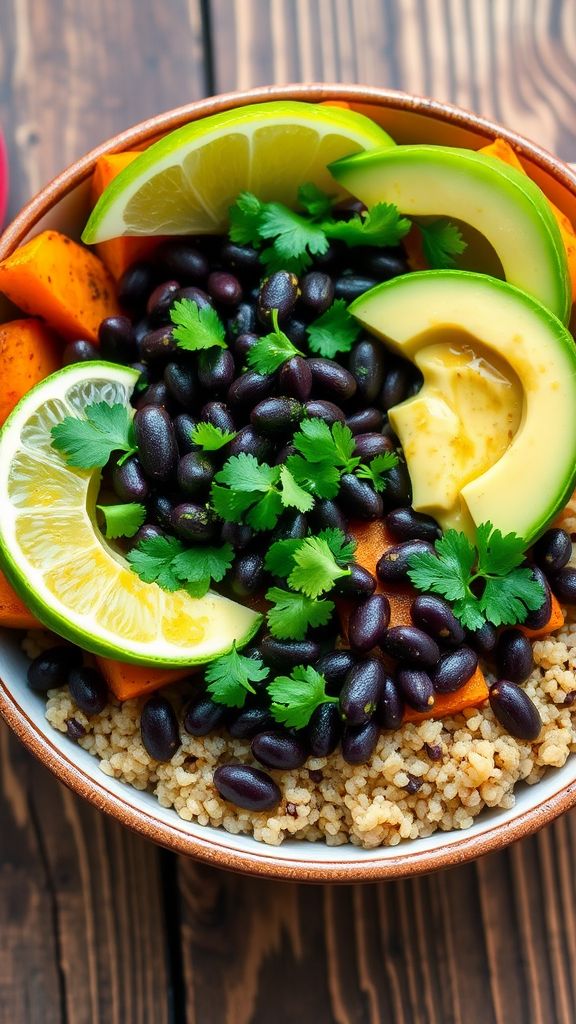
(492, 433)
(500, 202)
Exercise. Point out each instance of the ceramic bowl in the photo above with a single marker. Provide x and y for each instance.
(63, 205)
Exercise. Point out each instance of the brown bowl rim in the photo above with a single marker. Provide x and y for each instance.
(408, 861)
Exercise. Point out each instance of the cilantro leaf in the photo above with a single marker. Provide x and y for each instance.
(265, 513)
(296, 238)
(245, 216)
(381, 225)
(333, 332)
(468, 611)
(152, 561)
(292, 494)
(296, 697)
(279, 559)
(255, 492)
(316, 569)
(122, 520)
(375, 469)
(314, 440)
(196, 329)
(441, 242)
(318, 478)
(497, 553)
(506, 599)
(342, 549)
(316, 202)
(209, 437)
(270, 352)
(199, 565)
(88, 443)
(230, 678)
(344, 445)
(448, 571)
(293, 614)
(228, 504)
(244, 473)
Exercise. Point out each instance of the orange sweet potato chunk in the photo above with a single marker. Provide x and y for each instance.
(127, 681)
(13, 612)
(61, 282)
(28, 353)
(555, 621)
(471, 695)
(118, 253)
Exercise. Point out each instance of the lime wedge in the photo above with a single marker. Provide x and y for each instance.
(59, 563)
(186, 183)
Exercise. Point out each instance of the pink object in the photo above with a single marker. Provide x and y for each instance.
(3, 179)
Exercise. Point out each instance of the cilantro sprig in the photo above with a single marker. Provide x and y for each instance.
(196, 329)
(334, 331)
(254, 492)
(229, 678)
(296, 697)
(293, 614)
(167, 562)
(485, 582)
(272, 351)
(324, 453)
(88, 442)
(441, 242)
(122, 520)
(211, 438)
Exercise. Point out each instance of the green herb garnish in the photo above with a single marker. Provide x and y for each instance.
(246, 489)
(196, 329)
(296, 697)
(89, 442)
(381, 225)
(270, 352)
(210, 438)
(167, 562)
(122, 520)
(441, 242)
(293, 614)
(335, 331)
(325, 453)
(230, 678)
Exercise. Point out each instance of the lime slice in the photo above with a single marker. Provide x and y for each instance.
(185, 183)
(59, 563)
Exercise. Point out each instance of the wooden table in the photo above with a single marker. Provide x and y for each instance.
(97, 925)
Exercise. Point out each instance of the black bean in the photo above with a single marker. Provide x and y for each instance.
(365, 421)
(295, 378)
(297, 331)
(359, 743)
(239, 535)
(193, 522)
(406, 524)
(514, 710)
(381, 263)
(483, 640)
(242, 345)
(160, 509)
(398, 487)
(284, 453)
(159, 728)
(395, 387)
(514, 657)
(317, 292)
(160, 300)
(335, 666)
(434, 615)
(251, 388)
(350, 286)
(276, 749)
(368, 623)
(434, 751)
(216, 370)
(248, 573)
(219, 415)
(412, 645)
(318, 408)
(331, 379)
(553, 551)
(74, 729)
(141, 328)
(135, 285)
(280, 291)
(277, 416)
(368, 365)
(50, 669)
(415, 686)
(242, 258)
(116, 339)
(182, 260)
(292, 526)
(326, 515)
(393, 565)
(367, 446)
(80, 351)
(361, 691)
(184, 424)
(224, 288)
(454, 669)
(360, 583)
(245, 321)
(143, 380)
(157, 344)
(182, 383)
(247, 787)
(88, 689)
(323, 730)
(249, 722)
(563, 584)
(539, 618)
(390, 707)
(129, 481)
(358, 498)
(194, 474)
(156, 394)
(156, 441)
(282, 653)
(197, 295)
(202, 715)
(251, 442)
(148, 531)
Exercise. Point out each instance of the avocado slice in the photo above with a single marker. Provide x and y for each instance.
(498, 201)
(492, 433)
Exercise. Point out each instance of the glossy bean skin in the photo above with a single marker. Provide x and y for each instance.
(367, 446)
(317, 292)
(194, 475)
(291, 527)
(80, 351)
(323, 730)
(296, 331)
(368, 623)
(359, 498)
(156, 441)
(252, 442)
(159, 728)
(398, 491)
(383, 264)
(335, 666)
(553, 550)
(247, 787)
(49, 670)
(454, 669)
(193, 522)
(406, 524)
(244, 322)
(514, 657)
(88, 689)
(366, 421)
(368, 366)
(155, 394)
(184, 424)
(351, 286)
(514, 710)
(129, 481)
(393, 565)
(197, 295)
(248, 574)
(319, 408)
(295, 378)
(412, 645)
(359, 743)
(250, 388)
(240, 535)
(282, 653)
(216, 370)
(482, 640)
(390, 707)
(224, 288)
(242, 345)
(326, 515)
(331, 379)
(539, 618)
(360, 583)
(160, 300)
(276, 749)
(361, 691)
(182, 383)
(116, 340)
(219, 415)
(276, 417)
(160, 509)
(563, 585)
(157, 344)
(395, 386)
(148, 531)
(202, 715)
(434, 615)
(183, 261)
(135, 285)
(280, 291)
(416, 689)
(249, 722)
(244, 259)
